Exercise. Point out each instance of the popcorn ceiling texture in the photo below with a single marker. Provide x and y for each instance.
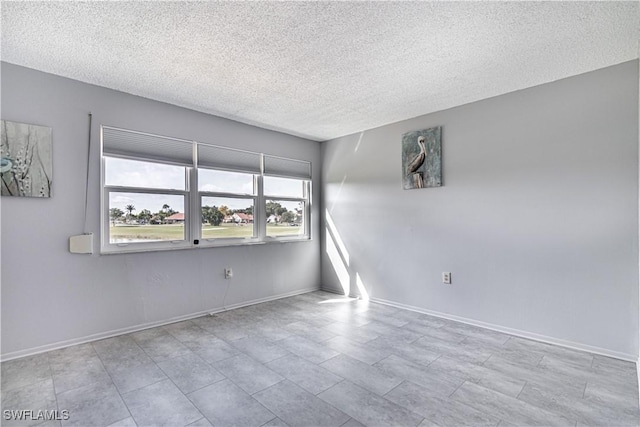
(318, 69)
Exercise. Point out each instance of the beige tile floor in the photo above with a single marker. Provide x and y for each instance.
(320, 360)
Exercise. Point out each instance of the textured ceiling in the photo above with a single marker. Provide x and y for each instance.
(318, 69)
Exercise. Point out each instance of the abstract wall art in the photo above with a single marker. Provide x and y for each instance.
(25, 162)
(422, 158)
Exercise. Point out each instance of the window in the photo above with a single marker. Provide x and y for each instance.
(166, 193)
(145, 203)
(286, 206)
(287, 193)
(227, 201)
(128, 224)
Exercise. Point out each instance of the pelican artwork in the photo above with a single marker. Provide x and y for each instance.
(416, 163)
(422, 159)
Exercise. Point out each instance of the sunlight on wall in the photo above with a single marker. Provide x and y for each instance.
(337, 239)
(363, 291)
(359, 142)
(336, 261)
(339, 257)
(337, 198)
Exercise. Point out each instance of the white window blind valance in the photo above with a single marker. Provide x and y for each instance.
(228, 158)
(132, 144)
(279, 166)
(139, 145)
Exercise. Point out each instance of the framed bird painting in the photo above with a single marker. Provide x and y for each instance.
(422, 158)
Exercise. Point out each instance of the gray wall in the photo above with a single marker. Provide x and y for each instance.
(50, 296)
(537, 219)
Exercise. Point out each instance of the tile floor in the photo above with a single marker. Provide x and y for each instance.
(320, 360)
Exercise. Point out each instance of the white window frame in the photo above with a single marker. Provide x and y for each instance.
(193, 205)
(230, 241)
(306, 214)
(108, 247)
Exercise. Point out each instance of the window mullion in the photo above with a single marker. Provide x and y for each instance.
(307, 213)
(285, 199)
(195, 201)
(120, 189)
(104, 203)
(260, 210)
(105, 238)
(229, 195)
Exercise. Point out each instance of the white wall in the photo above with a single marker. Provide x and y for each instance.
(537, 219)
(50, 296)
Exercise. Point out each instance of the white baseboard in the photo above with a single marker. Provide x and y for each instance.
(128, 330)
(332, 290)
(511, 331)
(260, 300)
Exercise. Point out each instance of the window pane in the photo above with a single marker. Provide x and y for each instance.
(285, 187)
(140, 217)
(225, 182)
(135, 173)
(285, 218)
(227, 217)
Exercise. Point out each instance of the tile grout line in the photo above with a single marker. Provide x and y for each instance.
(402, 382)
(328, 403)
(457, 388)
(260, 403)
(114, 384)
(157, 382)
(53, 383)
(522, 389)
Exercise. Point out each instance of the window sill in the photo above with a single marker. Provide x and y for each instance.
(203, 246)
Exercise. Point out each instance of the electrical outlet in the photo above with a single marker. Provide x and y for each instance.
(446, 278)
(228, 273)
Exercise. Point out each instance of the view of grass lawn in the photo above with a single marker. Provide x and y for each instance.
(225, 231)
(123, 233)
(284, 230)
